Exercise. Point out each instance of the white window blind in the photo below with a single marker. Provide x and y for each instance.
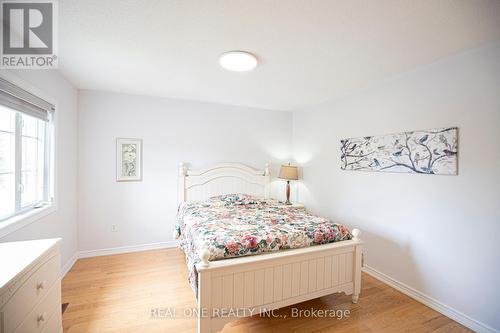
(23, 101)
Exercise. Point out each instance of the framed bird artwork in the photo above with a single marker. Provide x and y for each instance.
(432, 151)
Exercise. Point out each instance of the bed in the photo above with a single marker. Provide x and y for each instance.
(276, 255)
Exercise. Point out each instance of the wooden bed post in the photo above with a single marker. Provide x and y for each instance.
(358, 250)
(181, 188)
(267, 181)
(204, 315)
(204, 257)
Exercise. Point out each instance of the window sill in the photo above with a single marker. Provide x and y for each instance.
(19, 221)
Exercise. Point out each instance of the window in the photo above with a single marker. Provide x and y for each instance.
(25, 151)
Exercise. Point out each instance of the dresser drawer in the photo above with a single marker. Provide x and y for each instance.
(39, 317)
(54, 323)
(30, 293)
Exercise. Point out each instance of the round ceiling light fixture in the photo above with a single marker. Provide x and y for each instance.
(238, 61)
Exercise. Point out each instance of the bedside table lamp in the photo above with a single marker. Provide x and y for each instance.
(288, 172)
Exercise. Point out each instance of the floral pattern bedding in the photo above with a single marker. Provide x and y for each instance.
(240, 225)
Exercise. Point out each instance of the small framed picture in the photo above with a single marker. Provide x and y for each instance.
(128, 160)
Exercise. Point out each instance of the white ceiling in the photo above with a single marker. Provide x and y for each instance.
(309, 51)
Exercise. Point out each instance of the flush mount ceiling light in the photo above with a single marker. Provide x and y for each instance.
(238, 61)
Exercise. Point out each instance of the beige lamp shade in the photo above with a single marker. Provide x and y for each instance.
(288, 172)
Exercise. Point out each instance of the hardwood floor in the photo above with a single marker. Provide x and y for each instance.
(119, 293)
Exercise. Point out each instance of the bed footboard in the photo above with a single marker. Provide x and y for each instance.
(246, 286)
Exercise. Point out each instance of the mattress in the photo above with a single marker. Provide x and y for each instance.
(238, 225)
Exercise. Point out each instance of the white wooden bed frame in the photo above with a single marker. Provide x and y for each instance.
(239, 287)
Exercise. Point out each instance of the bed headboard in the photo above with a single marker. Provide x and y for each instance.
(223, 178)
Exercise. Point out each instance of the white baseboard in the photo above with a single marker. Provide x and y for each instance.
(431, 302)
(127, 249)
(69, 264)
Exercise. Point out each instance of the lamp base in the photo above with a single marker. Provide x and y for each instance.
(287, 202)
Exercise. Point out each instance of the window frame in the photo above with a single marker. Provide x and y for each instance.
(34, 211)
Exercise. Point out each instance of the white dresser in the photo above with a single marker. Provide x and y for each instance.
(30, 287)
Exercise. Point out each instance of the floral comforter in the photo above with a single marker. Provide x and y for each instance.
(240, 225)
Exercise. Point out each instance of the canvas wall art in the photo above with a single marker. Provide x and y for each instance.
(427, 152)
(128, 159)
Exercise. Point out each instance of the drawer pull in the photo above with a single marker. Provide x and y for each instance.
(41, 285)
(41, 317)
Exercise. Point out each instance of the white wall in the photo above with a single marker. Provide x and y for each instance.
(63, 222)
(173, 131)
(437, 234)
